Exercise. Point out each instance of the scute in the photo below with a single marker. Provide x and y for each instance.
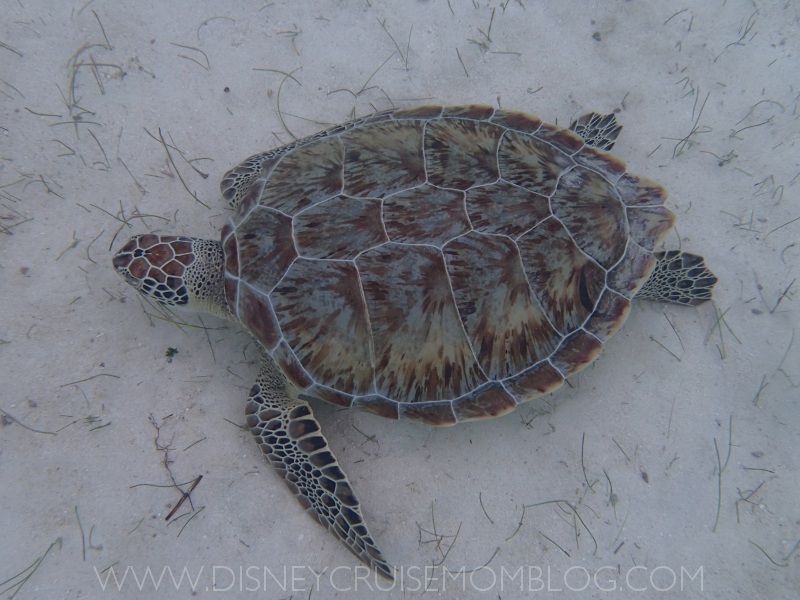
(542, 378)
(421, 351)
(339, 228)
(383, 158)
(517, 120)
(435, 264)
(503, 319)
(576, 351)
(589, 208)
(565, 280)
(491, 400)
(608, 165)
(632, 271)
(461, 153)
(304, 176)
(255, 312)
(265, 248)
(425, 215)
(505, 208)
(649, 225)
(563, 139)
(323, 318)
(610, 314)
(430, 413)
(532, 163)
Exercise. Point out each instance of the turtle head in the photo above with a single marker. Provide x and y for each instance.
(175, 271)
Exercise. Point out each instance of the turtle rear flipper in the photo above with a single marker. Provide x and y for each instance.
(679, 277)
(597, 130)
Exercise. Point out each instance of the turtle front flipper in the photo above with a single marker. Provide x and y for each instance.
(289, 436)
(679, 277)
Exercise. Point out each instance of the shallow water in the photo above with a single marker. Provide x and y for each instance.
(634, 447)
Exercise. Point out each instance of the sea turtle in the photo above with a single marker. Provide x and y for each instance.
(435, 264)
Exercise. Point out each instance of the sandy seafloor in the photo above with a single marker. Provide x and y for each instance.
(75, 155)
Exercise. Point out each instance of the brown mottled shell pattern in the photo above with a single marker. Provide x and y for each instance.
(437, 264)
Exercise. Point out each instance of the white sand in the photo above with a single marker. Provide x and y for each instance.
(643, 409)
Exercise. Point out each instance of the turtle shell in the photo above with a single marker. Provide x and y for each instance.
(437, 264)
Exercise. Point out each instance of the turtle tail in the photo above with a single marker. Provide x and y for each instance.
(679, 277)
